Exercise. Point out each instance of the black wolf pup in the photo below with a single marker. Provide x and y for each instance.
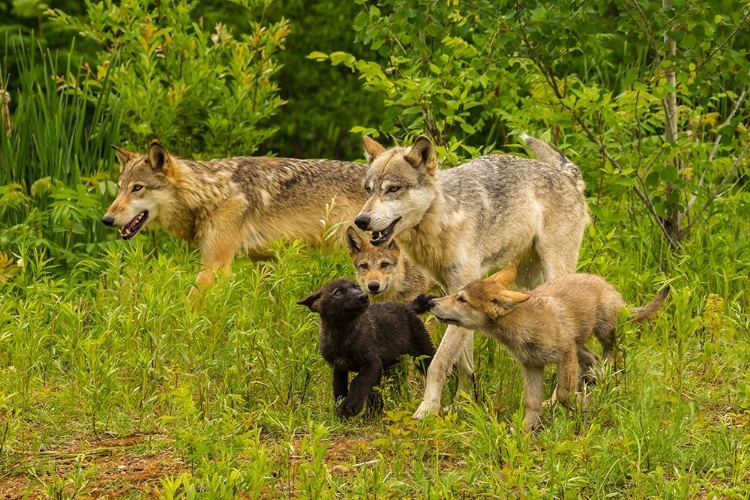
(358, 337)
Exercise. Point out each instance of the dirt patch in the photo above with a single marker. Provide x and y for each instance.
(107, 468)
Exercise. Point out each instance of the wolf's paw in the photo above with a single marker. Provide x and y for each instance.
(424, 409)
(532, 422)
(348, 409)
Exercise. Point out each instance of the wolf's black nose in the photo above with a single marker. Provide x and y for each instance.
(108, 220)
(431, 303)
(373, 286)
(362, 222)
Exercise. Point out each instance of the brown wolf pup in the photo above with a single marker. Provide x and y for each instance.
(383, 272)
(233, 205)
(549, 324)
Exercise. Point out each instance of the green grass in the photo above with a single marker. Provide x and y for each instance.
(110, 384)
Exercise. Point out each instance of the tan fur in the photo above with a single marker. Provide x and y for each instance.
(549, 325)
(383, 272)
(236, 205)
(5, 95)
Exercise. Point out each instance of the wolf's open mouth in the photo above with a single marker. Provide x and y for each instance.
(380, 237)
(135, 225)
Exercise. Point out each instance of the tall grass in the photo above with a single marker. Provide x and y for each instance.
(54, 162)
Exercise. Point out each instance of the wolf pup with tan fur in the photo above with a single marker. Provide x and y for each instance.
(547, 325)
(460, 223)
(383, 272)
(236, 205)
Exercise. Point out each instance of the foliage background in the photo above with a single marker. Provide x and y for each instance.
(99, 348)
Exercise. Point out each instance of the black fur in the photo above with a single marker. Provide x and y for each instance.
(367, 339)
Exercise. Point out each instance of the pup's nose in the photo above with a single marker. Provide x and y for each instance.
(362, 222)
(362, 297)
(108, 220)
(431, 303)
(373, 286)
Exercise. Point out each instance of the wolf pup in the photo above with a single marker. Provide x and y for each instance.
(383, 272)
(233, 205)
(460, 223)
(367, 339)
(549, 324)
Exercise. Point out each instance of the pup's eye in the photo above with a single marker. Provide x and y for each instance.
(368, 189)
(461, 299)
(363, 266)
(393, 189)
(383, 265)
(137, 188)
(337, 293)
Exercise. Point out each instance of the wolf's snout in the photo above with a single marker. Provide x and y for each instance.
(108, 220)
(362, 222)
(362, 297)
(431, 303)
(373, 286)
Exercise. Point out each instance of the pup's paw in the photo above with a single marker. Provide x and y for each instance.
(532, 422)
(424, 409)
(348, 409)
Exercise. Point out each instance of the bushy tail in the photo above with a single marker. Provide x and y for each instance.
(649, 310)
(421, 304)
(555, 158)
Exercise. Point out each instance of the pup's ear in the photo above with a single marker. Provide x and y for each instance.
(394, 248)
(422, 153)
(123, 156)
(505, 277)
(158, 157)
(311, 302)
(354, 242)
(373, 148)
(509, 299)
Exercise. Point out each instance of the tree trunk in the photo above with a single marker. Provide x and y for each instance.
(672, 217)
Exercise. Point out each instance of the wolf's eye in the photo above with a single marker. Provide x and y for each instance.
(461, 299)
(337, 293)
(393, 189)
(383, 265)
(368, 189)
(363, 266)
(137, 188)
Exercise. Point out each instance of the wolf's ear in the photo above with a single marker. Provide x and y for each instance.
(505, 277)
(509, 299)
(422, 153)
(158, 157)
(373, 148)
(123, 156)
(354, 242)
(311, 302)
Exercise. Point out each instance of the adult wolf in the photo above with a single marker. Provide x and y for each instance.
(233, 205)
(460, 223)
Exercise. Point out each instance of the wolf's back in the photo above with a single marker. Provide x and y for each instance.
(555, 158)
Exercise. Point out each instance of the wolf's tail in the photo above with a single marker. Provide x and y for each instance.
(421, 304)
(555, 158)
(649, 310)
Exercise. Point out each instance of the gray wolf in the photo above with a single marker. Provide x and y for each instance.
(383, 272)
(233, 206)
(358, 337)
(460, 223)
(549, 324)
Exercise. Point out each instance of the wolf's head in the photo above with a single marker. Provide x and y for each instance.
(380, 270)
(400, 186)
(341, 299)
(480, 303)
(144, 190)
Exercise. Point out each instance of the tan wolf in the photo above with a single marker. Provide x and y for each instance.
(460, 223)
(233, 206)
(549, 324)
(383, 272)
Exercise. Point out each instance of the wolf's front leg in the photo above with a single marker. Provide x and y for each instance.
(466, 382)
(340, 384)
(217, 254)
(451, 346)
(533, 385)
(359, 389)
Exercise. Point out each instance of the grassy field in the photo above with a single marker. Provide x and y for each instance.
(112, 386)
